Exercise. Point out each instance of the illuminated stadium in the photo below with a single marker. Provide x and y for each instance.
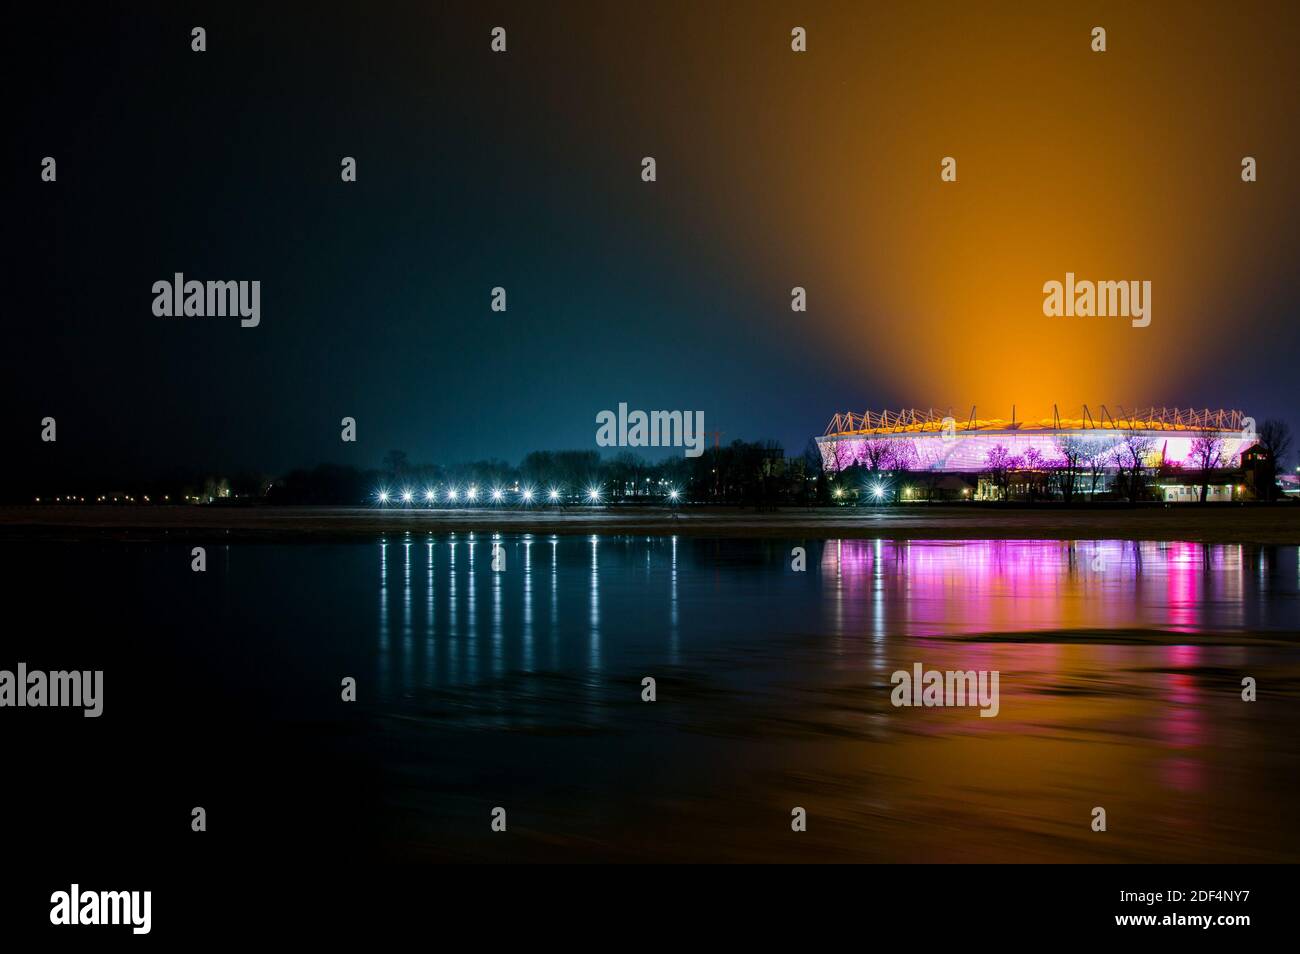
(915, 440)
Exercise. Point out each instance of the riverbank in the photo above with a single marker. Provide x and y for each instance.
(1279, 524)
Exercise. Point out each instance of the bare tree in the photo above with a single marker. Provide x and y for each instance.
(1207, 453)
(876, 454)
(904, 456)
(1073, 450)
(814, 469)
(1131, 454)
(1035, 464)
(845, 455)
(1098, 453)
(999, 463)
(1275, 437)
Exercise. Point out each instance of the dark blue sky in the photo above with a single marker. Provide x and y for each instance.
(475, 171)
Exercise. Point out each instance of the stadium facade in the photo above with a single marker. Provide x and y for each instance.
(1168, 441)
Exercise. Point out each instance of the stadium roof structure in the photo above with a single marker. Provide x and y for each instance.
(850, 423)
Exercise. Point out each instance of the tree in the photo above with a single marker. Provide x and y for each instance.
(395, 464)
(1073, 450)
(904, 456)
(998, 462)
(1033, 462)
(1207, 453)
(876, 454)
(1097, 452)
(1275, 437)
(1131, 455)
(814, 471)
(846, 454)
(538, 469)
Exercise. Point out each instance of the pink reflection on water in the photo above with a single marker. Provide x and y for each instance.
(1182, 725)
(1181, 584)
(944, 588)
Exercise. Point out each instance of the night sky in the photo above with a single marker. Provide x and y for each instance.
(522, 170)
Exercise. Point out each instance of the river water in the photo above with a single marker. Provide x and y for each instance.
(1120, 672)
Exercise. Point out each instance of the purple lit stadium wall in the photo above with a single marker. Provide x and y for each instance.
(1034, 449)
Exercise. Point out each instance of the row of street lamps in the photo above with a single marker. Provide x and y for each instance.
(555, 495)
